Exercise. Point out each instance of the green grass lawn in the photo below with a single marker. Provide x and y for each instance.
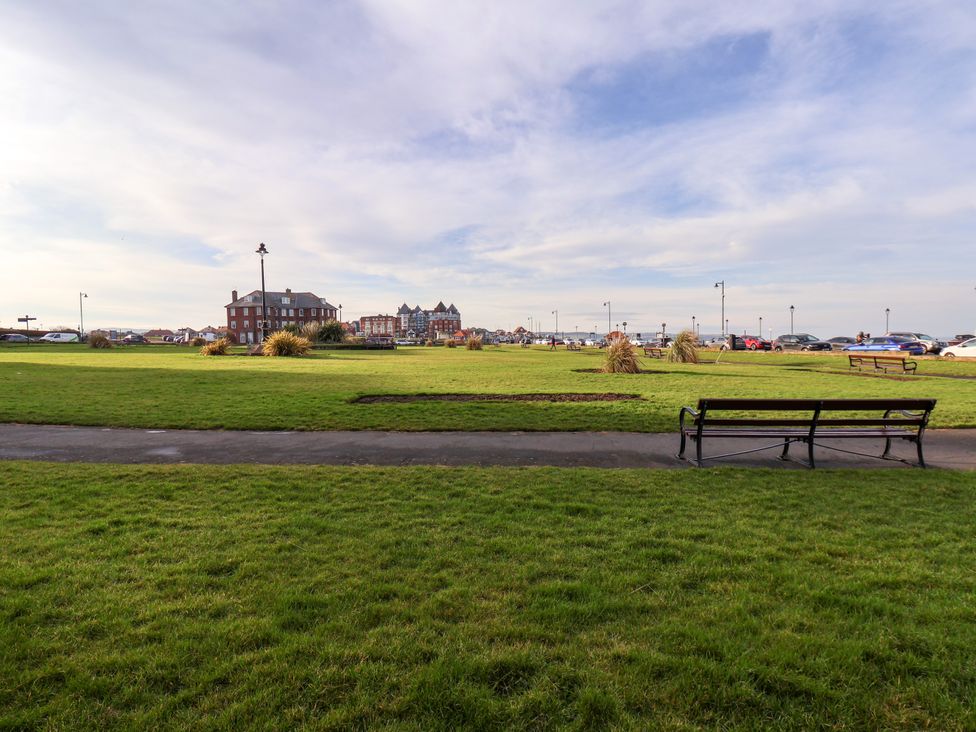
(416, 598)
(175, 387)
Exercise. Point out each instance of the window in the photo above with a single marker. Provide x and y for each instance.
(312, 312)
(247, 324)
(291, 312)
(233, 311)
(286, 301)
(233, 325)
(301, 312)
(245, 311)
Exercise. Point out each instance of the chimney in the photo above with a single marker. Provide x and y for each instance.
(233, 295)
(288, 290)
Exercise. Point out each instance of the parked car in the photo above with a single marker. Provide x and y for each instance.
(800, 342)
(14, 338)
(888, 343)
(932, 345)
(756, 343)
(960, 338)
(133, 338)
(966, 349)
(733, 343)
(60, 338)
(838, 343)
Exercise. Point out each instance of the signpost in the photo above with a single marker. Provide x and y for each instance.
(26, 321)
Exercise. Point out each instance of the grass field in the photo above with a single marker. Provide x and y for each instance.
(175, 387)
(249, 597)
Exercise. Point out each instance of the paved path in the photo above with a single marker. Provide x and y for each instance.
(943, 448)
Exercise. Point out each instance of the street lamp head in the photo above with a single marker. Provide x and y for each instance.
(791, 307)
(262, 250)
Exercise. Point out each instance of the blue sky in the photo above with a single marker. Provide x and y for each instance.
(512, 158)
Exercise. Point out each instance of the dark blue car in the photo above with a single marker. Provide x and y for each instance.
(889, 343)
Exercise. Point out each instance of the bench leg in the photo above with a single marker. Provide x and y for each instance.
(681, 449)
(810, 453)
(786, 450)
(698, 453)
(884, 455)
(921, 458)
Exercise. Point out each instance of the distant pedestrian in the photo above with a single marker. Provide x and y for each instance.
(552, 343)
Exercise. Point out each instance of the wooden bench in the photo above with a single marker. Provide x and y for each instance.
(885, 363)
(652, 352)
(805, 420)
(573, 347)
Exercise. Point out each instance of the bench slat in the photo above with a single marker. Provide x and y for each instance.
(799, 405)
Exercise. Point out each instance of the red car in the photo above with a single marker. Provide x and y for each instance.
(756, 343)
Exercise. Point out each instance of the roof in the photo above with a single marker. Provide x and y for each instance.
(451, 308)
(440, 307)
(300, 300)
(404, 309)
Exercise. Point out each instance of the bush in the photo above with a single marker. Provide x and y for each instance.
(293, 328)
(309, 330)
(99, 340)
(474, 343)
(286, 343)
(198, 341)
(428, 342)
(621, 358)
(450, 343)
(219, 347)
(684, 348)
(331, 331)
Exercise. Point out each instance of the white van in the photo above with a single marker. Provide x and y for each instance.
(60, 338)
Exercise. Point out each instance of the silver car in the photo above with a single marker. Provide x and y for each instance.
(932, 345)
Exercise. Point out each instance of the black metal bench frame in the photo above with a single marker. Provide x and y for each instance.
(573, 347)
(882, 362)
(903, 419)
(651, 352)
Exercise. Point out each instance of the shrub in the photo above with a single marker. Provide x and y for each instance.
(474, 343)
(684, 348)
(286, 343)
(450, 343)
(309, 330)
(331, 331)
(99, 340)
(621, 358)
(219, 347)
(428, 342)
(293, 328)
(198, 341)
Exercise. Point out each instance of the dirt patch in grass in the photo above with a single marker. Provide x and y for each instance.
(567, 397)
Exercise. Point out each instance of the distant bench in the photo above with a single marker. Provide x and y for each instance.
(802, 420)
(573, 347)
(882, 363)
(652, 352)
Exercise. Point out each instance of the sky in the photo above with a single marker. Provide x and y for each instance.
(514, 158)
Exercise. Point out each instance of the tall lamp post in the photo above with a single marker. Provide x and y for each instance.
(760, 326)
(791, 319)
(607, 306)
(625, 327)
(556, 332)
(81, 315)
(722, 285)
(261, 251)
(887, 313)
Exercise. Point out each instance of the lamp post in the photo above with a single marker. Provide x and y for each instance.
(607, 306)
(760, 326)
(556, 332)
(625, 327)
(81, 315)
(664, 332)
(887, 313)
(791, 319)
(693, 331)
(261, 251)
(722, 285)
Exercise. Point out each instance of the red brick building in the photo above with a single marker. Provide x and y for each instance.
(244, 314)
(378, 325)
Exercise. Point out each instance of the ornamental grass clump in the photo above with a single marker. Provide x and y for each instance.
(429, 343)
(285, 343)
(450, 343)
(99, 340)
(331, 331)
(474, 343)
(684, 348)
(309, 331)
(621, 358)
(219, 347)
(198, 341)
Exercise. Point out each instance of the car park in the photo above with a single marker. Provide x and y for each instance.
(960, 338)
(888, 343)
(135, 338)
(932, 345)
(800, 342)
(14, 338)
(756, 343)
(966, 349)
(59, 338)
(838, 343)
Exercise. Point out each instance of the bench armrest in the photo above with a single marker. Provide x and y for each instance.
(681, 416)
